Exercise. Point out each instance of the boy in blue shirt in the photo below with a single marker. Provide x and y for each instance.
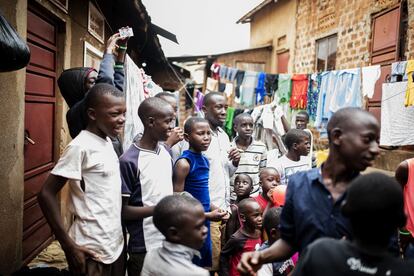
(191, 175)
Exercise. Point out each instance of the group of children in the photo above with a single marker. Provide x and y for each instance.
(220, 206)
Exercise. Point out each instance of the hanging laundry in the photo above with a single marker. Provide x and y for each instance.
(215, 70)
(229, 89)
(212, 84)
(284, 88)
(239, 81)
(198, 100)
(313, 95)
(299, 98)
(247, 88)
(134, 95)
(398, 71)
(271, 84)
(396, 119)
(231, 74)
(370, 75)
(223, 71)
(260, 88)
(409, 94)
(347, 92)
(328, 82)
(228, 124)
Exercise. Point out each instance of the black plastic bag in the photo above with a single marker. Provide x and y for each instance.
(14, 52)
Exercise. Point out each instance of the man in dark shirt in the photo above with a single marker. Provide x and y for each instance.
(374, 205)
(313, 199)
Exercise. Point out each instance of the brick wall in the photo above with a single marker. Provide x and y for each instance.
(350, 20)
(410, 42)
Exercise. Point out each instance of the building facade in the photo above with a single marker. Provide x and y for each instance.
(61, 34)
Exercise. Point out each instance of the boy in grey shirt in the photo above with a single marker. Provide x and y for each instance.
(180, 218)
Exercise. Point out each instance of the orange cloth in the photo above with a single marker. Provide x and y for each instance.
(409, 197)
(299, 98)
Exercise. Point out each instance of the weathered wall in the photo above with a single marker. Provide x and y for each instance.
(270, 25)
(351, 20)
(262, 55)
(12, 87)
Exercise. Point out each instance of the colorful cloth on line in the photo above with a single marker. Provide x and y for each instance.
(347, 92)
(313, 95)
(260, 88)
(328, 82)
(271, 84)
(409, 94)
(284, 88)
(228, 125)
(247, 89)
(299, 98)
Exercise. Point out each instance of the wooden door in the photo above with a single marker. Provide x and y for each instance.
(384, 51)
(282, 62)
(40, 102)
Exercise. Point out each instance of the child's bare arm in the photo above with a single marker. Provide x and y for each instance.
(75, 255)
(181, 171)
(130, 212)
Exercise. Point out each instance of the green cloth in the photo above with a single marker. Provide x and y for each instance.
(228, 125)
(284, 89)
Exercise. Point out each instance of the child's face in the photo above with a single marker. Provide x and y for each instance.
(243, 185)
(253, 215)
(216, 110)
(301, 121)
(244, 127)
(91, 80)
(269, 179)
(109, 115)
(193, 231)
(200, 136)
(162, 124)
(303, 148)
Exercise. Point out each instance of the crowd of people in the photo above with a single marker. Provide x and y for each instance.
(220, 207)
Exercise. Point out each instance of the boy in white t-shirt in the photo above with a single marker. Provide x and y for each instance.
(295, 160)
(89, 163)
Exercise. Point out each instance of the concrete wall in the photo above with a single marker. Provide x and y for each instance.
(270, 25)
(351, 20)
(12, 87)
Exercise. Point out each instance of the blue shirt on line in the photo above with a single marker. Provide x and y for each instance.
(309, 212)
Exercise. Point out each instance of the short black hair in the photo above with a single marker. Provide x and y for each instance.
(190, 122)
(150, 108)
(165, 94)
(271, 219)
(171, 210)
(344, 119)
(375, 206)
(241, 116)
(295, 136)
(97, 91)
(304, 113)
(244, 203)
(266, 169)
(245, 174)
(208, 97)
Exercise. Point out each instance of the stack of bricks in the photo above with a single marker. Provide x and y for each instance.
(351, 20)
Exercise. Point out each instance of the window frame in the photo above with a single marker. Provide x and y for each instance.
(318, 42)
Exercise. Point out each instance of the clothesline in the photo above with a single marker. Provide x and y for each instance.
(398, 93)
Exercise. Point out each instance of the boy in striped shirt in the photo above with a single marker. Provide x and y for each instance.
(253, 153)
